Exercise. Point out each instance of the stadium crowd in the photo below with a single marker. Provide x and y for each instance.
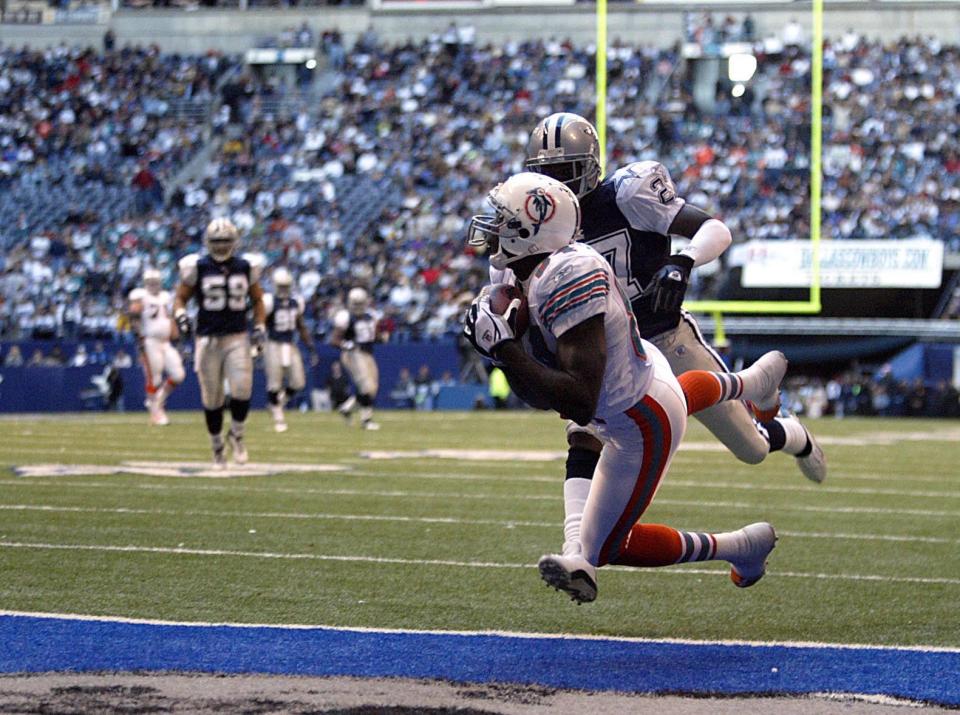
(369, 179)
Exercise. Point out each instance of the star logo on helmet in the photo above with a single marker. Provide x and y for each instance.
(540, 206)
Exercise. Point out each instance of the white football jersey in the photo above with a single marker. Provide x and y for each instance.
(575, 284)
(361, 329)
(155, 317)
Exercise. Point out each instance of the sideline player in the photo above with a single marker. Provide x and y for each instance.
(281, 357)
(628, 218)
(225, 286)
(606, 376)
(149, 311)
(355, 332)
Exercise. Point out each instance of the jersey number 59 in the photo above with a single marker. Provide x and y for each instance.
(220, 292)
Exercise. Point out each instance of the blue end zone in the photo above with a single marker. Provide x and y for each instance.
(33, 644)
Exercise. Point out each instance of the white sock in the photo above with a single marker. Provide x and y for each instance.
(366, 414)
(575, 493)
(216, 441)
(236, 429)
(348, 405)
(728, 545)
(796, 435)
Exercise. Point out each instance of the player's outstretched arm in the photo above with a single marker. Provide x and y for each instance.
(574, 388)
(180, 300)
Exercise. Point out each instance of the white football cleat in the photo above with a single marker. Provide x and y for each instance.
(572, 574)
(814, 465)
(162, 419)
(370, 425)
(219, 459)
(761, 381)
(280, 426)
(755, 542)
(237, 448)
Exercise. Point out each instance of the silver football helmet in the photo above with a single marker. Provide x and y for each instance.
(534, 214)
(152, 281)
(565, 147)
(221, 238)
(357, 300)
(282, 282)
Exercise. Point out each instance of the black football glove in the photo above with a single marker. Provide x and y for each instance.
(485, 329)
(669, 283)
(183, 324)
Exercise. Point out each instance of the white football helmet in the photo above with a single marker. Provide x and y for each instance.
(152, 281)
(357, 300)
(221, 238)
(282, 282)
(535, 214)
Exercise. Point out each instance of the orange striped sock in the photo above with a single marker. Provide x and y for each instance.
(704, 389)
(658, 545)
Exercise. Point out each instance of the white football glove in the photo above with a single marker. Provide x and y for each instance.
(485, 329)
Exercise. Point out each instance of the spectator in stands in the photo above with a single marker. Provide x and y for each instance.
(14, 357)
(404, 391)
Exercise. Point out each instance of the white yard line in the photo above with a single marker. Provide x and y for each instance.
(183, 485)
(182, 551)
(399, 518)
(504, 634)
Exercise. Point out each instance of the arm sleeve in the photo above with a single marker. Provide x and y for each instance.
(188, 269)
(708, 243)
(567, 298)
(301, 306)
(647, 197)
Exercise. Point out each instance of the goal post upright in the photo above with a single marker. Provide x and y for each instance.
(812, 305)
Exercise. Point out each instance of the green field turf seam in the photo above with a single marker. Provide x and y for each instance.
(102, 618)
(400, 518)
(185, 551)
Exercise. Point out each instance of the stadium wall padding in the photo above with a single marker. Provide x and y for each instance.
(61, 389)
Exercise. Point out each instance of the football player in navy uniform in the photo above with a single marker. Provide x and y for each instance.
(629, 218)
(281, 358)
(225, 286)
(355, 332)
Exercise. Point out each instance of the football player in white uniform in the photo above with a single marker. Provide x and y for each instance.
(593, 367)
(281, 357)
(149, 311)
(629, 219)
(226, 286)
(355, 332)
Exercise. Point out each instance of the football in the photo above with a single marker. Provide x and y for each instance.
(501, 295)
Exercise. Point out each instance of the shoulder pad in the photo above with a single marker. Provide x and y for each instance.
(647, 196)
(188, 269)
(268, 303)
(257, 263)
(341, 319)
(136, 294)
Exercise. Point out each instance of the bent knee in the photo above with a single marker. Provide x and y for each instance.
(752, 453)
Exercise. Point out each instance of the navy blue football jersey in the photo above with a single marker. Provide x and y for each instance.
(360, 329)
(282, 314)
(626, 220)
(222, 291)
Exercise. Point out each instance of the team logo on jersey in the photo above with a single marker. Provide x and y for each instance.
(540, 207)
(171, 469)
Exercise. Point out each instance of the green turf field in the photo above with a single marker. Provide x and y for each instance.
(871, 556)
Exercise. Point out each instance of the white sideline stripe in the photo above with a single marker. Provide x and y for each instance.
(456, 521)
(664, 501)
(443, 562)
(503, 634)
